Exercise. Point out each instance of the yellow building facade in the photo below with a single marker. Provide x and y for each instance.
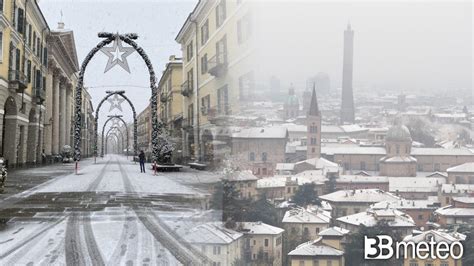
(216, 41)
(23, 68)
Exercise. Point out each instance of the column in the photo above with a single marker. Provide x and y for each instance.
(55, 122)
(48, 116)
(62, 113)
(69, 101)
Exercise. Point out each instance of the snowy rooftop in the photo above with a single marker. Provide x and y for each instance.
(211, 233)
(361, 179)
(301, 215)
(415, 184)
(259, 228)
(245, 175)
(437, 235)
(463, 168)
(450, 211)
(330, 150)
(404, 204)
(261, 133)
(394, 218)
(334, 231)
(468, 200)
(359, 195)
(311, 176)
(315, 248)
(457, 188)
(319, 163)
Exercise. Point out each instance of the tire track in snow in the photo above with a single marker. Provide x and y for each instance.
(75, 254)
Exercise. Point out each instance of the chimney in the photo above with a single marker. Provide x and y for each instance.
(60, 25)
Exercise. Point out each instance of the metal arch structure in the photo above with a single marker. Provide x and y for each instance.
(105, 124)
(156, 128)
(113, 133)
(113, 137)
(135, 123)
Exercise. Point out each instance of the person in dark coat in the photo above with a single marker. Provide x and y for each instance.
(141, 157)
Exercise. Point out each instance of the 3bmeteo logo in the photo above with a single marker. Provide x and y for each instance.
(382, 247)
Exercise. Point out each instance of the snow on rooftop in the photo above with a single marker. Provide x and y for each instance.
(451, 211)
(211, 233)
(261, 133)
(467, 200)
(311, 176)
(463, 168)
(315, 248)
(403, 204)
(436, 235)
(259, 228)
(334, 231)
(302, 215)
(457, 188)
(359, 195)
(245, 175)
(361, 179)
(394, 218)
(415, 184)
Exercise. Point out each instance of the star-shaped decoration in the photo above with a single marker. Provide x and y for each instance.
(115, 122)
(115, 102)
(117, 55)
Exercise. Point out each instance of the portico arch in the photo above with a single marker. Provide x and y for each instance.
(103, 130)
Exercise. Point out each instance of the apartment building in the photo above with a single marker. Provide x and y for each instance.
(170, 102)
(217, 72)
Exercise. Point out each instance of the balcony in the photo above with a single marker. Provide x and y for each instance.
(187, 89)
(17, 81)
(39, 95)
(217, 65)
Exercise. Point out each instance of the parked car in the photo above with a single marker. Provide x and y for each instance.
(3, 174)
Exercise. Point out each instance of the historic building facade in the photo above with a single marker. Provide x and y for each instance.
(61, 82)
(217, 71)
(23, 66)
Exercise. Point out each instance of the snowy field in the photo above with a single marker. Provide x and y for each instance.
(109, 214)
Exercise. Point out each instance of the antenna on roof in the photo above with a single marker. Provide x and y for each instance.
(61, 21)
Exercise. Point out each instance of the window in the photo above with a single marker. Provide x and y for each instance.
(30, 30)
(203, 249)
(264, 156)
(413, 263)
(190, 77)
(301, 262)
(398, 148)
(189, 51)
(356, 210)
(216, 250)
(444, 263)
(244, 28)
(266, 242)
(34, 42)
(204, 64)
(205, 32)
(220, 13)
(246, 85)
(205, 104)
(313, 128)
(317, 230)
(264, 171)
(1, 42)
(252, 156)
(315, 262)
(420, 217)
(436, 167)
(191, 114)
(20, 21)
(314, 141)
(1, 5)
(221, 50)
(362, 165)
(28, 71)
(223, 100)
(288, 190)
(329, 263)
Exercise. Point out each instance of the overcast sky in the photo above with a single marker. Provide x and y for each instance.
(157, 24)
(400, 45)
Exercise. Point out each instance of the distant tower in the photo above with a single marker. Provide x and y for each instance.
(292, 105)
(347, 105)
(313, 122)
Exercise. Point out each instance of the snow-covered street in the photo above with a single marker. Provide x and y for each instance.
(108, 214)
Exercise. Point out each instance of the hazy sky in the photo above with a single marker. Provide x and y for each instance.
(403, 45)
(157, 24)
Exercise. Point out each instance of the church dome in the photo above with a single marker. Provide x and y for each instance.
(398, 133)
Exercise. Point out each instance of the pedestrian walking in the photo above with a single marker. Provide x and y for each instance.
(141, 157)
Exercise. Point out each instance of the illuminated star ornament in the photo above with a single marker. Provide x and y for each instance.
(117, 55)
(115, 102)
(115, 122)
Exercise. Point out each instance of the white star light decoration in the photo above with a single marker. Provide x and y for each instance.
(117, 55)
(115, 102)
(115, 122)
